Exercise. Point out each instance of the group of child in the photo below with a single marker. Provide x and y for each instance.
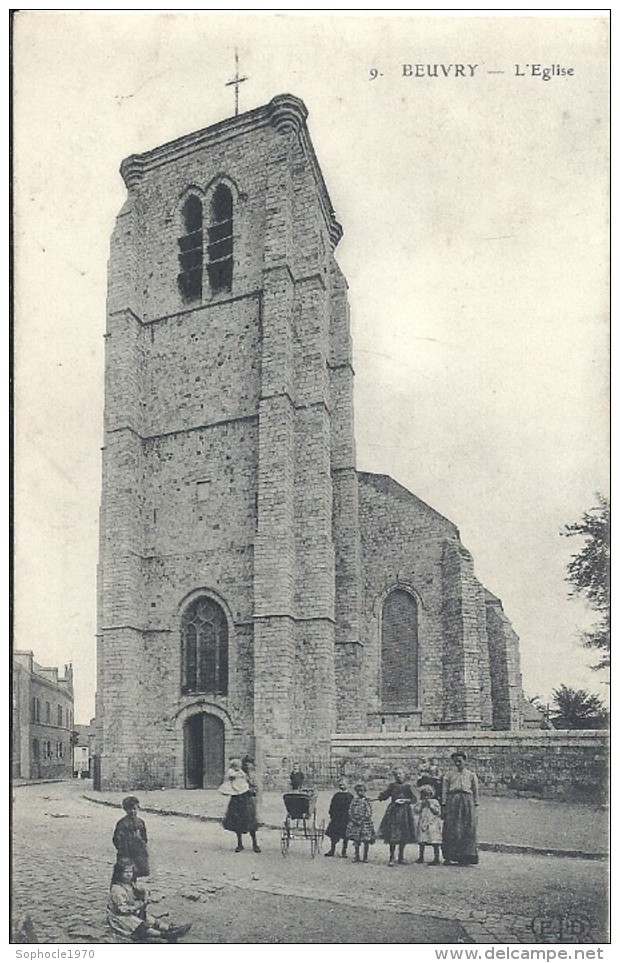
(406, 820)
(127, 911)
(449, 825)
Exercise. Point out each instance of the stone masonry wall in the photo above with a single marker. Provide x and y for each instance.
(505, 664)
(567, 766)
(349, 652)
(468, 653)
(466, 673)
(402, 544)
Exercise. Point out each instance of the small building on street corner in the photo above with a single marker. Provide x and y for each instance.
(83, 750)
(42, 720)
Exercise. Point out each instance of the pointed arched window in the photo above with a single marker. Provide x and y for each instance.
(204, 648)
(399, 652)
(191, 250)
(220, 250)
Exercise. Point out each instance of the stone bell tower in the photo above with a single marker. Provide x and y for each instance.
(229, 571)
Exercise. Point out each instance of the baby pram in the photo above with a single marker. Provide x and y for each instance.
(301, 821)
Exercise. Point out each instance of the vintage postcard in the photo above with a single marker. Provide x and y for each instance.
(311, 350)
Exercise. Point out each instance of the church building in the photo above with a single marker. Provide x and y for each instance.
(256, 592)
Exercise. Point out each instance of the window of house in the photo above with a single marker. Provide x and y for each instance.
(191, 250)
(60, 715)
(220, 249)
(48, 712)
(399, 652)
(33, 710)
(204, 635)
(37, 710)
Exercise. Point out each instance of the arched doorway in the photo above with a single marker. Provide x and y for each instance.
(203, 738)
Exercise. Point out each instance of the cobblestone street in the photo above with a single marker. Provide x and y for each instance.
(63, 855)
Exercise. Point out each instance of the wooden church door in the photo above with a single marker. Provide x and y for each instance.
(204, 751)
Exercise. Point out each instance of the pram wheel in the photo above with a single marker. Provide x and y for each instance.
(284, 842)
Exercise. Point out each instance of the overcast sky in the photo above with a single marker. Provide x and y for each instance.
(475, 248)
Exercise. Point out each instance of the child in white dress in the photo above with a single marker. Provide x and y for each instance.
(428, 814)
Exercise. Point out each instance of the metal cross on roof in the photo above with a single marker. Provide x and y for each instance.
(236, 81)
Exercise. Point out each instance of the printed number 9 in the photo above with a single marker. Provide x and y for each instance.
(374, 73)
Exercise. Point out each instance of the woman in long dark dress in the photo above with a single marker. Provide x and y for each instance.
(460, 813)
(338, 819)
(397, 827)
(241, 815)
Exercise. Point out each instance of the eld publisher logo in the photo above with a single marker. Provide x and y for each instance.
(561, 928)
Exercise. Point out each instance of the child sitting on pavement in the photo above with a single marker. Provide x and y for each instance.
(127, 910)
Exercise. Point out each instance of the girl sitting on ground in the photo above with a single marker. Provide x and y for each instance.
(127, 910)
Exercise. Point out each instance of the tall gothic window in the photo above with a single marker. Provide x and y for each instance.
(399, 652)
(191, 250)
(204, 635)
(220, 250)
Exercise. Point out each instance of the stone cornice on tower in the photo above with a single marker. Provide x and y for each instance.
(285, 113)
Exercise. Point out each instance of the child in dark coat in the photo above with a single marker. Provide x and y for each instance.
(297, 778)
(130, 837)
(338, 819)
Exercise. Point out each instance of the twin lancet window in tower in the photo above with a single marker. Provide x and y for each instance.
(219, 245)
(204, 644)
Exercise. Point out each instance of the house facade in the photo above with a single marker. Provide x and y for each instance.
(42, 720)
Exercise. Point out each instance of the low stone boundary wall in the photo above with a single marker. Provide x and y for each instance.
(563, 765)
